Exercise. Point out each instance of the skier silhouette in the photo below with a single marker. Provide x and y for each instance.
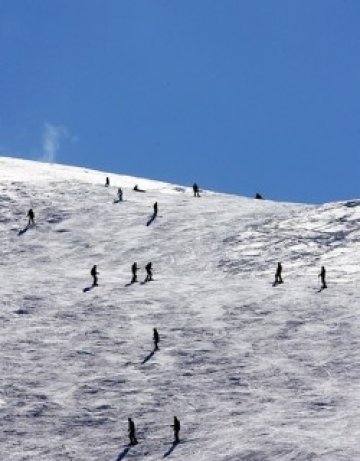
(196, 190)
(94, 273)
(258, 196)
(278, 278)
(149, 274)
(107, 181)
(156, 339)
(323, 275)
(176, 427)
(120, 194)
(136, 188)
(31, 216)
(155, 209)
(134, 269)
(131, 430)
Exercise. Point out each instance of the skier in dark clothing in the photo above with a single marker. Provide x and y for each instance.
(149, 274)
(120, 194)
(131, 430)
(278, 278)
(156, 339)
(94, 273)
(196, 190)
(31, 216)
(176, 427)
(155, 209)
(322, 275)
(134, 269)
(136, 188)
(107, 181)
(258, 196)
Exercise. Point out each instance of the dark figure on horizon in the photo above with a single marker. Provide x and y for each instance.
(107, 181)
(196, 190)
(323, 275)
(131, 430)
(120, 194)
(134, 269)
(156, 338)
(149, 274)
(259, 196)
(94, 274)
(31, 216)
(278, 278)
(176, 427)
(136, 188)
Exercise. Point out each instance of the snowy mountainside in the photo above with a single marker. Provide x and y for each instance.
(253, 372)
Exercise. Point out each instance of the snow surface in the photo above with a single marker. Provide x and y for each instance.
(252, 372)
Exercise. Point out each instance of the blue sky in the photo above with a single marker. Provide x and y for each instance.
(242, 96)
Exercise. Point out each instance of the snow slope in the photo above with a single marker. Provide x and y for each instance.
(252, 372)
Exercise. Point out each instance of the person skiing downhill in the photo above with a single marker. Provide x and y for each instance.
(322, 275)
(148, 269)
(94, 273)
(156, 339)
(107, 181)
(120, 194)
(131, 430)
(134, 269)
(278, 278)
(31, 216)
(176, 427)
(196, 190)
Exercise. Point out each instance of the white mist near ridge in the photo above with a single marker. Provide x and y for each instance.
(252, 372)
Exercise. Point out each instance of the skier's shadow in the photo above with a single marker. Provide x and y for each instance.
(123, 454)
(86, 289)
(171, 449)
(22, 231)
(147, 358)
(152, 219)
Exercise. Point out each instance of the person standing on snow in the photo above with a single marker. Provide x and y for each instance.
(31, 216)
(322, 275)
(156, 339)
(94, 273)
(134, 269)
(131, 430)
(196, 190)
(176, 427)
(278, 278)
(149, 274)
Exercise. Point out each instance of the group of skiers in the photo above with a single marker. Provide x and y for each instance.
(278, 276)
(132, 431)
(134, 270)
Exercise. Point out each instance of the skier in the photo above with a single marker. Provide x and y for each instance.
(278, 278)
(131, 430)
(322, 275)
(176, 427)
(31, 216)
(120, 194)
(156, 339)
(94, 273)
(155, 209)
(196, 190)
(258, 196)
(148, 269)
(136, 188)
(107, 181)
(134, 269)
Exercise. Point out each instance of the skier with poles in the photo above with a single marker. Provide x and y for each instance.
(134, 269)
(31, 216)
(278, 278)
(176, 428)
(149, 274)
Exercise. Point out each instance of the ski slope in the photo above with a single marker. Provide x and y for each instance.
(253, 372)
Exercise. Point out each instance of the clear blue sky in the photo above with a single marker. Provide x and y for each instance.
(242, 96)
